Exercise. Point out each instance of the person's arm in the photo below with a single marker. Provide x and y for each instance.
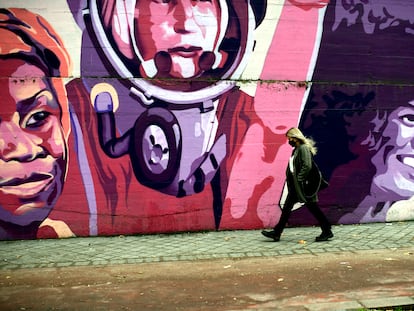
(305, 163)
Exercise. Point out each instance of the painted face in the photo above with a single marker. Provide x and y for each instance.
(182, 28)
(32, 144)
(395, 160)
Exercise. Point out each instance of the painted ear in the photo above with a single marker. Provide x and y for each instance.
(103, 102)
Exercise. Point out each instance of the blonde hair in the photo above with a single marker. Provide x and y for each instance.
(294, 132)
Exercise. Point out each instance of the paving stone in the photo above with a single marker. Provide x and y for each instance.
(334, 306)
(387, 302)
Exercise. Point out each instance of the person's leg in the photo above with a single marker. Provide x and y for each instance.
(319, 215)
(286, 211)
(323, 221)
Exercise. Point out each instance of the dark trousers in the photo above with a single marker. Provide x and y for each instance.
(313, 208)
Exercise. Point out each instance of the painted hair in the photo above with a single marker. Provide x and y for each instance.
(294, 132)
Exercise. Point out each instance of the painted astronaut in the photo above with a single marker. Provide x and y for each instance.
(171, 106)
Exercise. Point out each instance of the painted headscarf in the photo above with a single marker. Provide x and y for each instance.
(27, 36)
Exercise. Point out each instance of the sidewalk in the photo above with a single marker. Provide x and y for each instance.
(222, 245)
(200, 246)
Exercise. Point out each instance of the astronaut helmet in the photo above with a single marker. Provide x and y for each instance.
(194, 47)
(170, 61)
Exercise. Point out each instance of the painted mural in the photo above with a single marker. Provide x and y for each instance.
(150, 116)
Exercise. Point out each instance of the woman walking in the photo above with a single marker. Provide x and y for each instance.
(302, 184)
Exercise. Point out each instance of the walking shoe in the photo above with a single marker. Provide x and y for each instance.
(325, 236)
(271, 235)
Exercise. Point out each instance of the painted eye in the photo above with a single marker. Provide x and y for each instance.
(37, 119)
(408, 119)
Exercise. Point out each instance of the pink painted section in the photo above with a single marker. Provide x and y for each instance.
(278, 106)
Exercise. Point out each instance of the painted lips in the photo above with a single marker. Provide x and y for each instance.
(406, 160)
(185, 51)
(27, 187)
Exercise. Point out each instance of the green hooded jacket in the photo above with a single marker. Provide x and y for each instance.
(302, 166)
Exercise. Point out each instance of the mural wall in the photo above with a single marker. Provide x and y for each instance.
(154, 116)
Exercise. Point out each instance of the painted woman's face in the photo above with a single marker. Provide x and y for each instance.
(395, 160)
(182, 28)
(32, 144)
